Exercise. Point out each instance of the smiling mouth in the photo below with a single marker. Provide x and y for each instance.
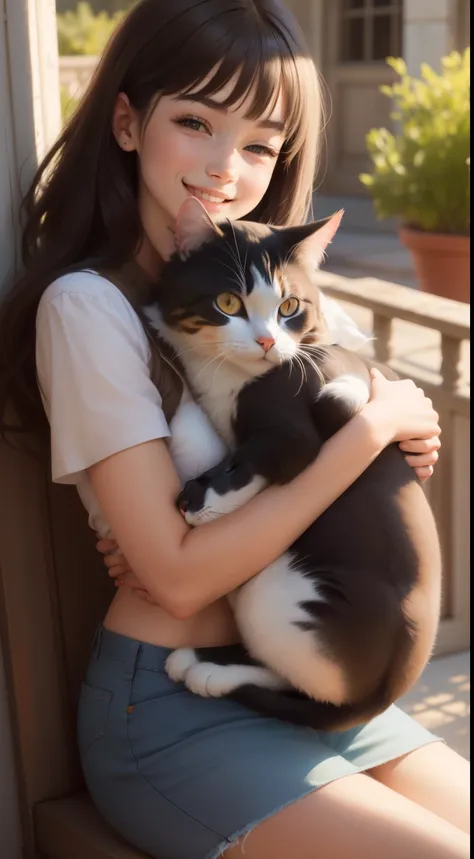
(206, 195)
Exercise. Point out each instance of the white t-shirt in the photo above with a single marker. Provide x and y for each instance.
(92, 358)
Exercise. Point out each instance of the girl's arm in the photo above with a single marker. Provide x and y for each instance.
(185, 569)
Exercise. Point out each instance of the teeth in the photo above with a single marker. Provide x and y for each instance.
(208, 197)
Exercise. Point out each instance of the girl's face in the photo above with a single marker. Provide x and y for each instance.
(195, 147)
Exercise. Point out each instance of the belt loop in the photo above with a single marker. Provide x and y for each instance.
(131, 660)
(97, 642)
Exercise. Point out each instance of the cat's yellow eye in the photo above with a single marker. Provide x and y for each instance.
(229, 303)
(289, 307)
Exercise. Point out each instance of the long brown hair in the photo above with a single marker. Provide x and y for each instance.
(81, 210)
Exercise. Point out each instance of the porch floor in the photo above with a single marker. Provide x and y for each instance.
(440, 700)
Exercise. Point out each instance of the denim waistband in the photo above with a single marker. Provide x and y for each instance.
(140, 654)
(120, 648)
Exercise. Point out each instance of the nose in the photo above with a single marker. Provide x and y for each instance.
(183, 505)
(265, 342)
(223, 166)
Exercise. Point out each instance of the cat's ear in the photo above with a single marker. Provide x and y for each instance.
(311, 240)
(193, 227)
(324, 233)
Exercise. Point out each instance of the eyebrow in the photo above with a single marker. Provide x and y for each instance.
(274, 124)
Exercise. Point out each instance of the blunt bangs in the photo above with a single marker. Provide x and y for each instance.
(236, 44)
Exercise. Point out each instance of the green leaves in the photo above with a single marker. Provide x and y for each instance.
(421, 173)
(82, 32)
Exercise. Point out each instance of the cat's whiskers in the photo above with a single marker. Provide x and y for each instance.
(296, 360)
(237, 277)
(305, 356)
(236, 246)
(170, 364)
(319, 350)
(237, 268)
(245, 260)
(229, 250)
(179, 352)
(211, 361)
(218, 368)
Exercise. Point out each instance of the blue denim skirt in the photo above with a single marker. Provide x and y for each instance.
(182, 777)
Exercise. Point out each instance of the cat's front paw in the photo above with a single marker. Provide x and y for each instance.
(195, 502)
(179, 662)
(210, 680)
(219, 491)
(206, 679)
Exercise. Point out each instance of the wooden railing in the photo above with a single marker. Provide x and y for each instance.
(75, 73)
(448, 386)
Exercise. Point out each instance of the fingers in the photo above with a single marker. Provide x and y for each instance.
(424, 473)
(423, 460)
(376, 374)
(127, 580)
(114, 561)
(119, 570)
(421, 445)
(106, 546)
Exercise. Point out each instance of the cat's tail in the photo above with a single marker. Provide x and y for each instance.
(299, 709)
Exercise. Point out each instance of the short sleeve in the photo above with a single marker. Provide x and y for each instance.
(92, 360)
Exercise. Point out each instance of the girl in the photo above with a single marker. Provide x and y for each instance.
(218, 99)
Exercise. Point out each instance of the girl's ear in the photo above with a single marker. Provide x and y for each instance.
(193, 227)
(125, 124)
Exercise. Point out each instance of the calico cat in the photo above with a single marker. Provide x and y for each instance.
(344, 622)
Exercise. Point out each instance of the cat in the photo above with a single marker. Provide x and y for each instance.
(343, 623)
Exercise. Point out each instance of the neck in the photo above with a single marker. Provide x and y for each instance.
(148, 259)
(158, 234)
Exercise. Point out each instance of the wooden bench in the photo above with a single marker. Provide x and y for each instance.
(53, 592)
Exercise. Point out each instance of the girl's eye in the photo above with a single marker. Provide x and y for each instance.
(259, 149)
(192, 122)
(228, 303)
(289, 307)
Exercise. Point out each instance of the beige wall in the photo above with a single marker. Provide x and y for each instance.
(433, 28)
(28, 122)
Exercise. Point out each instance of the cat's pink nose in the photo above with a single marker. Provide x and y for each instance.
(266, 343)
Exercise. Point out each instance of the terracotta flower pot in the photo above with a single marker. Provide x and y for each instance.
(442, 262)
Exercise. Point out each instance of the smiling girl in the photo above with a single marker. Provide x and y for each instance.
(217, 99)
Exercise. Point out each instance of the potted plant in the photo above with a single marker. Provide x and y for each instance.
(421, 172)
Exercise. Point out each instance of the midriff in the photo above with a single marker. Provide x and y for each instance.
(136, 618)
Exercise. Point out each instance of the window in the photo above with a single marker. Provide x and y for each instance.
(371, 30)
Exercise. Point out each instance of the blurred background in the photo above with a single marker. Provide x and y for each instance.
(350, 41)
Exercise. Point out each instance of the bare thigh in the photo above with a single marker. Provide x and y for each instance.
(355, 817)
(435, 777)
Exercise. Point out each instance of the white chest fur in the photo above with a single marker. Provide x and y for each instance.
(217, 388)
(214, 382)
(194, 445)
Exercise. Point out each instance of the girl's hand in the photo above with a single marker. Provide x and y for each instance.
(120, 570)
(424, 455)
(401, 412)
